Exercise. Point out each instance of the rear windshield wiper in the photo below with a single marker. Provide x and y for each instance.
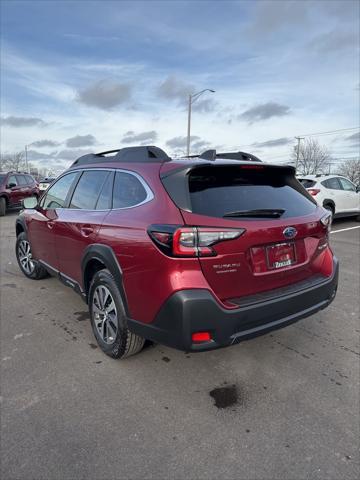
(262, 213)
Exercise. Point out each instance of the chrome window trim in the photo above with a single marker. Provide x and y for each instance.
(149, 192)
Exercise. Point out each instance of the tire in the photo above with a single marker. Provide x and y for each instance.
(30, 268)
(108, 318)
(2, 206)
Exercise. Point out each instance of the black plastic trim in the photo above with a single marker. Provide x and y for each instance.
(189, 311)
(21, 221)
(105, 255)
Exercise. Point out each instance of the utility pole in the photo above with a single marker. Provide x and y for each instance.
(26, 159)
(298, 151)
(188, 128)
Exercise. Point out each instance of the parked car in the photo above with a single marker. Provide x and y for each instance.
(335, 193)
(45, 183)
(190, 253)
(14, 187)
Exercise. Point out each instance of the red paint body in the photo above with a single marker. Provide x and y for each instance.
(15, 193)
(59, 238)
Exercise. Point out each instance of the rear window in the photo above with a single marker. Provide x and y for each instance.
(306, 183)
(217, 191)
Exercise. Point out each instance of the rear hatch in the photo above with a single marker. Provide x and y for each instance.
(281, 236)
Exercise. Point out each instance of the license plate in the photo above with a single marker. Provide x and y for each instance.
(280, 255)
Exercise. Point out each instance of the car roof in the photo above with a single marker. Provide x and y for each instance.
(138, 157)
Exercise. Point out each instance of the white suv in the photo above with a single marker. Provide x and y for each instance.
(335, 193)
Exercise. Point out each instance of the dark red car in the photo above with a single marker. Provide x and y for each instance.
(194, 253)
(14, 187)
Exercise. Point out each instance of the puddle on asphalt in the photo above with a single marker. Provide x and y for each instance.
(225, 397)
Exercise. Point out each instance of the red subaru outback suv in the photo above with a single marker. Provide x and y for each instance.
(196, 254)
(14, 187)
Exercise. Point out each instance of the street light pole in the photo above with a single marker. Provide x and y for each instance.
(188, 128)
(192, 99)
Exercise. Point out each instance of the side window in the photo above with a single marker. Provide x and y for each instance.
(21, 180)
(332, 183)
(128, 191)
(104, 200)
(56, 195)
(12, 180)
(347, 185)
(88, 188)
(29, 179)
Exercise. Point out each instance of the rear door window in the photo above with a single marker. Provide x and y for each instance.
(29, 179)
(332, 183)
(128, 191)
(104, 200)
(216, 191)
(88, 189)
(21, 180)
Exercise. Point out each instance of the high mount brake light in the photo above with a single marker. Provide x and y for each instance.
(190, 241)
(252, 167)
(313, 191)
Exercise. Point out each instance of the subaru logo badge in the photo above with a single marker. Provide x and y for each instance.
(290, 232)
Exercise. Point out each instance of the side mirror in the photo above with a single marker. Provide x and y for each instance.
(30, 202)
(12, 185)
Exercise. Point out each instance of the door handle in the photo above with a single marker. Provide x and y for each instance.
(50, 225)
(86, 230)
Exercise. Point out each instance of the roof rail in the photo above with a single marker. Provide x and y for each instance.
(212, 155)
(128, 154)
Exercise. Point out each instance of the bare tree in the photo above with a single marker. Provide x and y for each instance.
(351, 170)
(12, 161)
(313, 157)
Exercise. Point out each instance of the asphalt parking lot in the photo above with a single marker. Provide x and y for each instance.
(70, 412)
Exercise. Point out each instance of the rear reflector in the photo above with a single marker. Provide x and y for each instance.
(201, 337)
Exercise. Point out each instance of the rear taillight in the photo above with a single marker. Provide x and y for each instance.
(313, 191)
(190, 241)
(326, 221)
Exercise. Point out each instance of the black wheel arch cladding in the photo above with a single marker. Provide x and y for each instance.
(106, 256)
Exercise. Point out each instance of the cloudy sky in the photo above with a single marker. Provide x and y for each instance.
(81, 76)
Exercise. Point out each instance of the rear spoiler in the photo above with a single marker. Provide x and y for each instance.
(212, 155)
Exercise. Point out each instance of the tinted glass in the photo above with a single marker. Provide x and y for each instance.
(331, 183)
(29, 179)
(21, 179)
(104, 200)
(217, 191)
(56, 195)
(87, 190)
(128, 191)
(13, 180)
(347, 185)
(2, 177)
(305, 182)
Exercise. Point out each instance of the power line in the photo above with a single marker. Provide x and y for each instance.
(330, 132)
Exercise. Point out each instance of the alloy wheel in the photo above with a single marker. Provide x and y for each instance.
(105, 314)
(25, 257)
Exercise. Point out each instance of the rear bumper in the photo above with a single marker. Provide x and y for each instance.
(189, 311)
